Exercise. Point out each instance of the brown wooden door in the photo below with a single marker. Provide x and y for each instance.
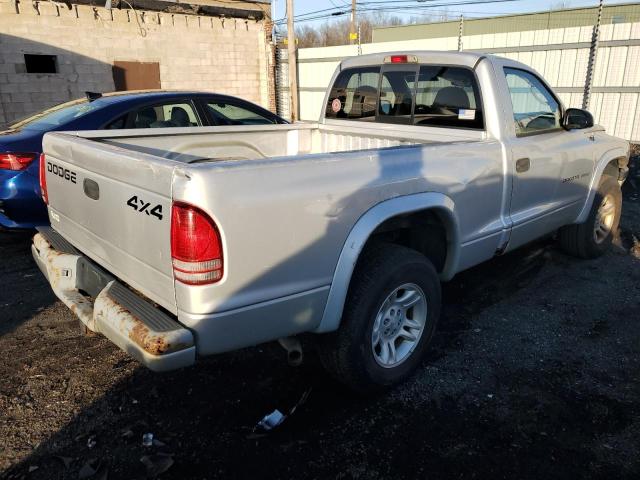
(136, 75)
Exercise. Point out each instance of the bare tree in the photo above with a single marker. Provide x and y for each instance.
(307, 36)
(444, 16)
(337, 32)
(560, 5)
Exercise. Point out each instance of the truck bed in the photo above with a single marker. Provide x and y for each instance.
(253, 181)
(259, 142)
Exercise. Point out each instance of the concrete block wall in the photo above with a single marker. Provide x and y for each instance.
(194, 52)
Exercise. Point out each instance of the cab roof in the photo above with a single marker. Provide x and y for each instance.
(465, 59)
(115, 97)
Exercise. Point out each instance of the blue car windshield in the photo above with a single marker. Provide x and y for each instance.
(58, 115)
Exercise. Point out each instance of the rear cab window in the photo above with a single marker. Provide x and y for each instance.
(448, 97)
(354, 95)
(397, 94)
(412, 94)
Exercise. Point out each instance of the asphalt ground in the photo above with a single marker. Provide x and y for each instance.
(534, 374)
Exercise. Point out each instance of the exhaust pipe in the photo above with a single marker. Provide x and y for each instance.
(294, 350)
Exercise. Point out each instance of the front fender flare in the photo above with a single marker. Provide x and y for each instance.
(608, 156)
(361, 232)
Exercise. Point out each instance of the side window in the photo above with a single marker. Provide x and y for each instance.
(447, 97)
(117, 124)
(228, 114)
(396, 96)
(535, 109)
(166, 115)
(354, 94)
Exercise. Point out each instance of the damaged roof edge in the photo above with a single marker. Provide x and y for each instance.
(186, 8)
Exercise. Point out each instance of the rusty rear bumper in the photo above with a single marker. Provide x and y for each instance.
(106, 306)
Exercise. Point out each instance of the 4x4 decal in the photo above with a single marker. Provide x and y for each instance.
(140, 205)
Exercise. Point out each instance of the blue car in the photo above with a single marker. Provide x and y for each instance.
(21, 144)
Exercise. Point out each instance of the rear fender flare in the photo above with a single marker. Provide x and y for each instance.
(363, 229)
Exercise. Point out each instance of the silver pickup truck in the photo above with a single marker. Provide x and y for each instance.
(179, 243)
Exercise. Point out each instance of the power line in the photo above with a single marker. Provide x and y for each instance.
(324, 13)
(342, 9)
(402, 6)
(395, 2)
(312, 13)
(425, 7)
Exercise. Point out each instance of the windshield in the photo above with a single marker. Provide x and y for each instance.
(58, 115)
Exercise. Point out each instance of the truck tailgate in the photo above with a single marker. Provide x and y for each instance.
(114, 205)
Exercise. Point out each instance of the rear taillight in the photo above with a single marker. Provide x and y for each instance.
(196, 246)
(16, 161)
(43, 179)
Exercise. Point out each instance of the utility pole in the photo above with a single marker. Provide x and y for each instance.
(293, 68)
(352, 32)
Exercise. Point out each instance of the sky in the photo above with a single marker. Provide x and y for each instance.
(474, 10)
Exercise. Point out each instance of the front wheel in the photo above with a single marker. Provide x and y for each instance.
(388, 321)
(593, 237)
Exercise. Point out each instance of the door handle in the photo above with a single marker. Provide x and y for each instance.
(523, 164)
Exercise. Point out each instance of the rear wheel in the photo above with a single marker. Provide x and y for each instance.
(593, 237)
(389, 319)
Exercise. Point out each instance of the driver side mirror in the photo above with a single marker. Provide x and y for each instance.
(576, 118)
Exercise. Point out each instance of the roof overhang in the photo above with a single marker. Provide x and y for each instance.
(253, 10)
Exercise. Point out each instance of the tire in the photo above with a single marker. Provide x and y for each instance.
(350, 354)
(593, 237)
